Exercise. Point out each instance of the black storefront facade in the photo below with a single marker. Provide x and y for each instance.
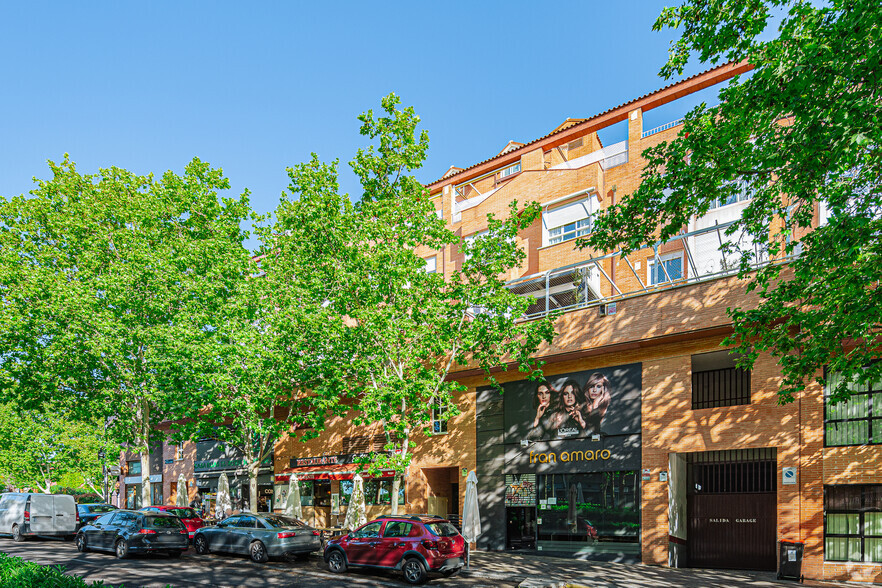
(558, 464)
(214, 458)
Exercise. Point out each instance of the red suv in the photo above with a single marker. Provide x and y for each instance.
(414, 544)
(187, 515)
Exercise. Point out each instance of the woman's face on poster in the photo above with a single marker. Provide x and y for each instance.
(596, 391)
(569, 396)
(543, 393)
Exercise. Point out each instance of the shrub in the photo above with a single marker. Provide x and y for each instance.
(18, 573)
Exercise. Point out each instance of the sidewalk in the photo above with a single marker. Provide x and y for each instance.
(536, 571)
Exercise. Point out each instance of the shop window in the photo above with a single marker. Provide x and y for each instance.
(717, 382)
(667, 268)
(306, 497)
(590, 508)
(379, 491)
(134, 468)
(321, 490)
(858, 420)
(853, 523)
(439, 416)
(156, 493)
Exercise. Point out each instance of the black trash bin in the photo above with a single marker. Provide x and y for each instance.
(790, 560)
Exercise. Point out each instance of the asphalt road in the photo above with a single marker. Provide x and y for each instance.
(206, 570)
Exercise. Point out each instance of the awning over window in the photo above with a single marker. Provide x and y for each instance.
(328, 472)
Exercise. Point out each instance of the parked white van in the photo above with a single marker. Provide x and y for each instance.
(23, 514)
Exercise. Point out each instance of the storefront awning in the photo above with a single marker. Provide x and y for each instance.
(328, 472)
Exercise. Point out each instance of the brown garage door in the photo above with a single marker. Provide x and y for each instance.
(731, 509)
(732, 531)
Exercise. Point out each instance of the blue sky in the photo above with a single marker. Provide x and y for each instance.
(255, 87)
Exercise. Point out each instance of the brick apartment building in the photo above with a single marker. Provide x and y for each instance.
(675, 456)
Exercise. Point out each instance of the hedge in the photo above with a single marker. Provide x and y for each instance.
(18, 573)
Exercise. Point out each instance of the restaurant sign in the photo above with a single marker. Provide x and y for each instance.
(324, 460)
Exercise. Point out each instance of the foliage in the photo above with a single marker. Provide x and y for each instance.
(39, 449)
(15, 572)
(802, 135)
(106, 281)
(360, 323)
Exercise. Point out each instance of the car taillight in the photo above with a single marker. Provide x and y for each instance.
(78, 516)
(27, 516)
(147, 532)
(316, 533)
(429, 544)
(287, 534)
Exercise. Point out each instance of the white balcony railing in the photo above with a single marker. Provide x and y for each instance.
(588, 283)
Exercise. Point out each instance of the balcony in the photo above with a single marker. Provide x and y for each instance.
(689, 258)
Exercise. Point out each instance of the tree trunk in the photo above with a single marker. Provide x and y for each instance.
(252, 458)
(396, 481)
(144, 443)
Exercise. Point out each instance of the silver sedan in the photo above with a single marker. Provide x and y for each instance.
(261, 536)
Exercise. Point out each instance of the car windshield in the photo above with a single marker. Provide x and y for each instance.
(183, 513)
(279, 522)
(99, 508)
(444, 529)
(164, 522)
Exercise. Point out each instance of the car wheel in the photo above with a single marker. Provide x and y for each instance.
(201, 545)
(414, 571)
(258, 552)
(122, 549)
(337, 561)
(174, 553)
(16, 534)
(81, 544)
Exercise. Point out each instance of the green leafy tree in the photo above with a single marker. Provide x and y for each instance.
(39, 449)
(802, 134)
(360, 324)
(107, 281)
(240, 400)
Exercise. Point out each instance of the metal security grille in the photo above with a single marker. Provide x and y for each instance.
(722, 387)
(735, 471)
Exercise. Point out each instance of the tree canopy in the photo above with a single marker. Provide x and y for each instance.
(367, 331)
(802, 134)
(107, 282)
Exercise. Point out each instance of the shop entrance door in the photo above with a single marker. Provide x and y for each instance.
(731, 509)
(520, 529)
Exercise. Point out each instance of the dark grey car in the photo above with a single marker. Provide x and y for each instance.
(261, 536)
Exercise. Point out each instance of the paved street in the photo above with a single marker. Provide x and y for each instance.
(488, 569)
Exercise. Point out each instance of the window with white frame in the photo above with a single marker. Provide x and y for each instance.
(439, 416)
(431, 264)
(741, 193)
(471, 239)
(567, 222)
(179, 452)
(670, 268)
(510, 170)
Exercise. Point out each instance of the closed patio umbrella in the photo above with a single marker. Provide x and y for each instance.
(182, 498)
(471, 516)
(223, 501)
(292, 502)
(355, 512)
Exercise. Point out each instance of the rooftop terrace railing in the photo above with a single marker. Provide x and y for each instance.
(664, 127)
(689, 258)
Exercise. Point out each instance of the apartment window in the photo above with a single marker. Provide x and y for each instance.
(670, 268)
(569, 231)
(717, 382)
(179, 452)
(431, 264)
(858, 420)
(853, 523)
(134, 468)
(741, 194)
(510, 170)
(439, 416)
